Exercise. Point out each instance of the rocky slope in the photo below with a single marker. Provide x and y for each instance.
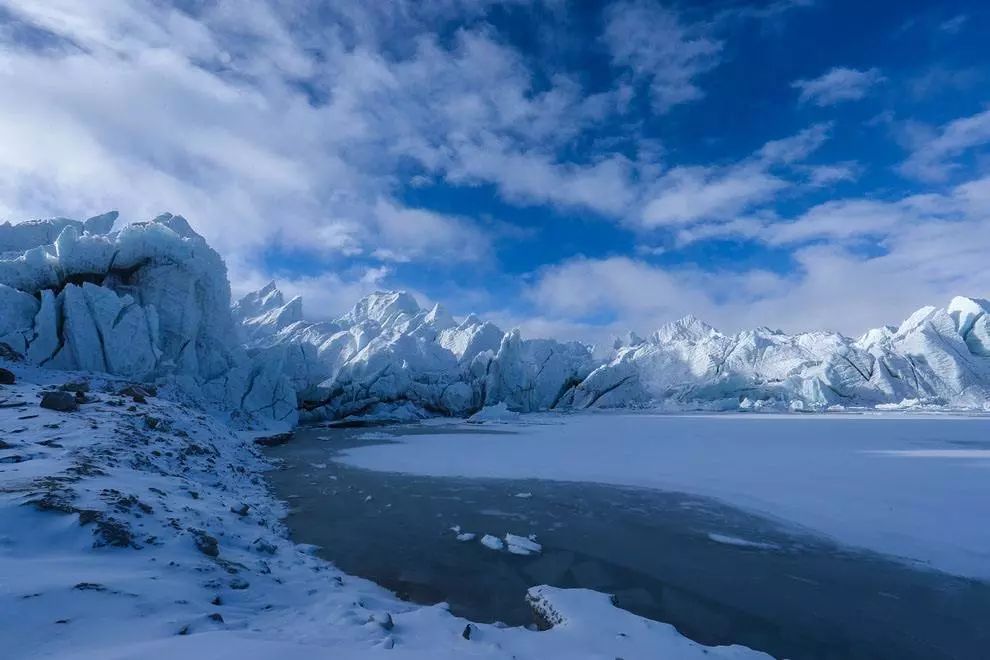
(132, 526)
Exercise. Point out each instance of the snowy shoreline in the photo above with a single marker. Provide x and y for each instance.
(145, 529)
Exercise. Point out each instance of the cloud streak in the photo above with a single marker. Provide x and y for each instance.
(838, 85)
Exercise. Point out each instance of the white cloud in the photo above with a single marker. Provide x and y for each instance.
(924, 250)
(796, 147)
(826, 175)
(832, 287)
(416, 234)
(855, 220)
(263, 129)
(954, 24)
(660, 49)
(686, 195)
(838, 85)
(933, 151)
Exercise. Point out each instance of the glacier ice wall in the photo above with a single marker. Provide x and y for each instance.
(150, 301)
(388, 352)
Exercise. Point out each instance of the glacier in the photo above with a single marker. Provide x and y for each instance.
(150, 301)
(387, 356)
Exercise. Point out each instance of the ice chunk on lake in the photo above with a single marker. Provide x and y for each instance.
(492, 542)
(742, 543)
(521, 545)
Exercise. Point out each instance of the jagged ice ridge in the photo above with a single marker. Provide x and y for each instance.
(151, 302)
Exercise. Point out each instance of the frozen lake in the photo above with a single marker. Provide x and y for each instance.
(638, 506)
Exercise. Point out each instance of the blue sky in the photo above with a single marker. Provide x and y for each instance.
(576, 169)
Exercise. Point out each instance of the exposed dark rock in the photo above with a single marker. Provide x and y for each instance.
(241, 510)
(7, 377)
(386, 621)
(216, 616)
(113, 533)
(261, 545)
(53, 502)
(137, 393)
(79, 387)
(274, 440)
(205, 543)
(468, 629)
(60, 401)
(8, 353)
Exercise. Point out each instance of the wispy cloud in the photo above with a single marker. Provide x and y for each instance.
(933, 151)
(838, 85)
(954, 25)
(661, 50)
(689, 195)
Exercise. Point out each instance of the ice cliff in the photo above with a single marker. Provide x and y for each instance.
(387, 355)
(149, 302)
(938, 357)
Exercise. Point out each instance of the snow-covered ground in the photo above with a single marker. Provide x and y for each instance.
(909, 485)
(136, 527)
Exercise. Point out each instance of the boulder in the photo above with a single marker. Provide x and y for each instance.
(60, 401)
